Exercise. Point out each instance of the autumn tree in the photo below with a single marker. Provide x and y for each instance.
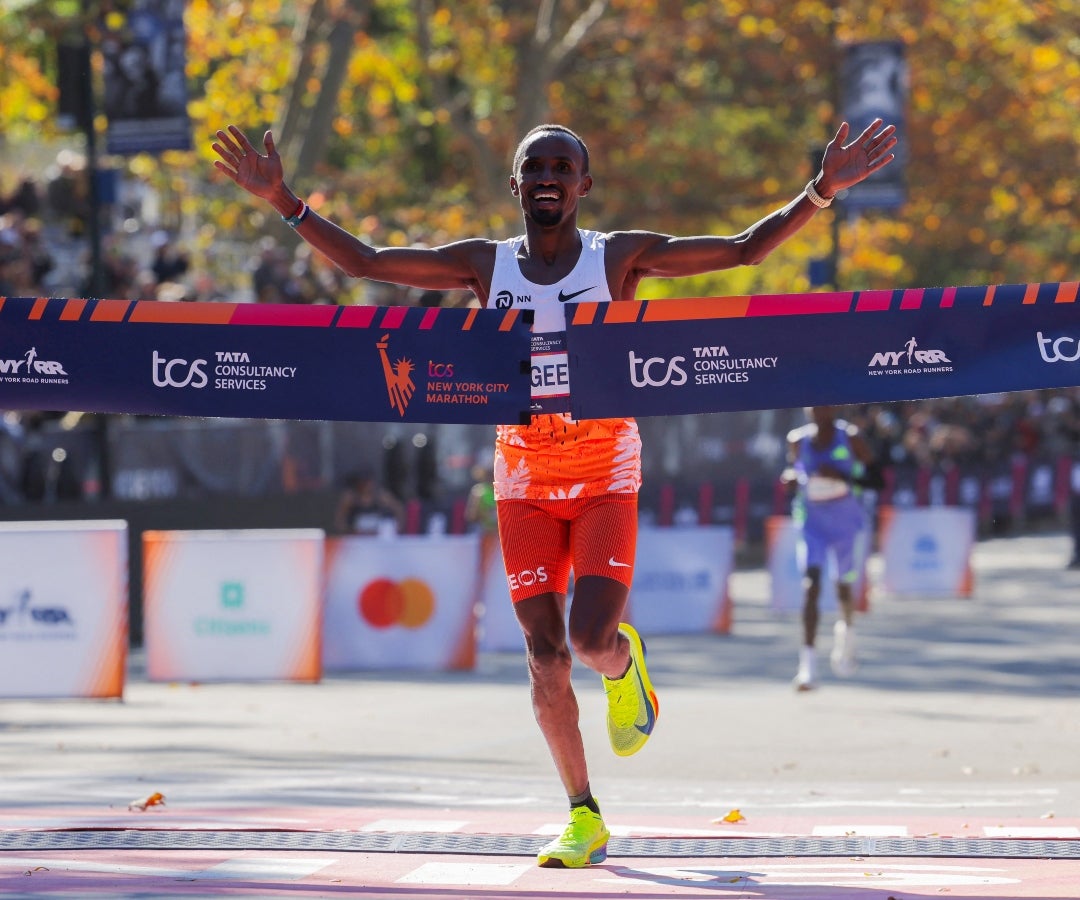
(399, 118)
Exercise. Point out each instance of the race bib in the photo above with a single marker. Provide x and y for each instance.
(820, 488)
(550, 373)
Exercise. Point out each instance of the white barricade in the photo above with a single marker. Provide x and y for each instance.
(785, 575)
(63, 609)
(232, 605)
(401, 603)
(681, 580)
(927, 550)
(498, 629)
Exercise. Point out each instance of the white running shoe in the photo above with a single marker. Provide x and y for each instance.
(843, 651)
(805, 679)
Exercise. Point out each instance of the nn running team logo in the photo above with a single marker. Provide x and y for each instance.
(399, 383)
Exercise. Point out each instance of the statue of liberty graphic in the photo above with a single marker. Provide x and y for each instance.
(399, 383)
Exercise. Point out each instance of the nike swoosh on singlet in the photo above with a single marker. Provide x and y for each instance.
(611, 562)
(563, 296)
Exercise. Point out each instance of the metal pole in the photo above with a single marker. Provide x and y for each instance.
(834, 257)
(97, 282)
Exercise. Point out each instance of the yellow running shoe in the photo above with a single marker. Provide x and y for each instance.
(582, 843)
(632, 703)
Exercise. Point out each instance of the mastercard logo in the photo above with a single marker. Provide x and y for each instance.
(383, 603)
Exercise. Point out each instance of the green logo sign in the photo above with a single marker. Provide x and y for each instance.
(232, 594)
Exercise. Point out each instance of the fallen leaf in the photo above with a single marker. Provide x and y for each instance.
(732, 818)
(155, 799)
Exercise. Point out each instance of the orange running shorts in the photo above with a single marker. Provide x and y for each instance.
(543, 540)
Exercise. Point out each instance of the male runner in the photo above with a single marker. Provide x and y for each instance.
(830, 463)
(566, 490)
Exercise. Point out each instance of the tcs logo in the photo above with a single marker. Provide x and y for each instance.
(1064, 349)
(178, 373)
(527, 578)
(656, 371)
(383, 602)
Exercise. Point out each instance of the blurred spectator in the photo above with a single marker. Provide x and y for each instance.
(368, 509)
(68, 192)
(24, 259)
(24, 199)
(170, 262)
(119, 275)
(272, 279)
(480, 505)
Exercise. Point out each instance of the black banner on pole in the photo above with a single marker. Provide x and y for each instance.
(874, 85)
(145, 52)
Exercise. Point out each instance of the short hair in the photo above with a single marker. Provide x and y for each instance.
(550, 128)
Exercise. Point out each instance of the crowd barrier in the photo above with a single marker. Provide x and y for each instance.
(291, 604)
(63, 609)
(927, 551)
(401, 602)
(786, 590)
(233, 605)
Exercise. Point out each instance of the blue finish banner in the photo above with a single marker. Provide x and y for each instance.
(274, 361)
(717, 354)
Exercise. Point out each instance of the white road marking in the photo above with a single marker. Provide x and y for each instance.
(860, 831)
(253, 868)
(867, 873)
(416, 825)
(465, 874)
(1031, 831)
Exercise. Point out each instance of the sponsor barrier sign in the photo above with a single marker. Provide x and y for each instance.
(233, 605)
(63, 609)
(681, 579)
(405, 603)
(927, 550)
(498, 629)
(276, 361)
(672, 357)
(782, 562)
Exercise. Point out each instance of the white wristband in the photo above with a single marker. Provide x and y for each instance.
(814, 197)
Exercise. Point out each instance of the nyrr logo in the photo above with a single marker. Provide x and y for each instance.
(24, 612)
(1062, 349)
(30, 365)
(179, 373)
(399, 383)
(656, 371)
(909, 356)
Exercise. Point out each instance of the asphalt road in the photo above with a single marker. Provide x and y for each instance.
(962, 708)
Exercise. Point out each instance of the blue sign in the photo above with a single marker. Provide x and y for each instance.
(677, 357)
(355, 363)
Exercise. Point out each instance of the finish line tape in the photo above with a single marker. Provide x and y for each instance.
(714, 354)
(640, 358)
(264, 361)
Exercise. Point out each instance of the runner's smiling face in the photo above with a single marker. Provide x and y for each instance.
(550, 178)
